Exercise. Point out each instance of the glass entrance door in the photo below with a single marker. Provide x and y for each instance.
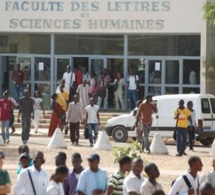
(26, 67)
(97, 65)
(60, 68)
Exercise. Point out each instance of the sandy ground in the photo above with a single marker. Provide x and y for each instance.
(170, 166)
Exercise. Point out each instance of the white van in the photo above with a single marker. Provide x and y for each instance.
(121, 127)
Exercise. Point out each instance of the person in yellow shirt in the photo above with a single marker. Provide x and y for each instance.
(182, 115)
(62, 99)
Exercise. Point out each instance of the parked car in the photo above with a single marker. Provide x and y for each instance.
(121, 127)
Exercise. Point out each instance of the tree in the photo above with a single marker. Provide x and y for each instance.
(209, 12)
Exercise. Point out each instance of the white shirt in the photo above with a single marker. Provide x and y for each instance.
(68, 82)
(147, 188)
(37, 102)
(55, 188)
(86, 76)
(181, 187)
(23, 184)
(83, 94)
(132, 82)
(92, 113)
(132, 184)
(209, 177)
(13, 101)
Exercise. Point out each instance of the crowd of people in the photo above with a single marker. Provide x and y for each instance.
(133, 176)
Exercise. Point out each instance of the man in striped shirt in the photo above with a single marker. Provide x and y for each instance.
(115, 184)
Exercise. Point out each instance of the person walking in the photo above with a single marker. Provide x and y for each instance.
(133, 83)
(93, 180)
(18, 77)
(134, 180)
(75, 114)
(92, 120)
(5, 182)
(26, 110)
(38, 104)
(83, 92)
(119, 85)
(191, 128)
(12, 117)
(115, 184)
(189, 182)
(55, 186)
(57, 113)
(71, 182)
(103, 81)
(63, 99)
(145, 113)
(182, 116)
(5, 107)
(69, 78)
(33, 180)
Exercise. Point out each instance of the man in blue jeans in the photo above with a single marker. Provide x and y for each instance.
(182, 116)
(133, 81)
(92, 120)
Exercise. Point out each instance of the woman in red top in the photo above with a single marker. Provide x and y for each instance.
(57, 113)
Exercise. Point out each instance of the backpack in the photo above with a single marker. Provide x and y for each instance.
(186, 181)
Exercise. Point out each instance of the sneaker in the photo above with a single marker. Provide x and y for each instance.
(76, 143)
(178, 155)
(91, 145)
(184, 154)
(8, 141)
(35, 132)
(148, 151)
(24, 142)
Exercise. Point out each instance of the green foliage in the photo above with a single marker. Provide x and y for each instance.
(209, 12)
(131, 150)
(210, 69)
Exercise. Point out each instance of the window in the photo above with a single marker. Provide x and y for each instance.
(205, 106)
(212, 100)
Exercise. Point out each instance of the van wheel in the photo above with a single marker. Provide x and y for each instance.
(207, 142)
(119, 134)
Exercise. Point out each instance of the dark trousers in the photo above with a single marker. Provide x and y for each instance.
(181, 138)
(191, 133)
(74, 132)
(26, 127)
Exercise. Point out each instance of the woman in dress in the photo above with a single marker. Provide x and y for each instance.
(38, 105)
(57, 113)
(55, 186)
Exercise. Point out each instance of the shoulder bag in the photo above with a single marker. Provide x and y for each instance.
(32, 184)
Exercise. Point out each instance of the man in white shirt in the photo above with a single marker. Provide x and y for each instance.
(92, 120)
(182, 187)
(32, 180)
(133, 182)
(69, 78)
(133, 81)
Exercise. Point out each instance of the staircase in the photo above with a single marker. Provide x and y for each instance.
(45, 120)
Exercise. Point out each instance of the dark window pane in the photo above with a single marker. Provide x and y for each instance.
(213, 104)
(205, 105)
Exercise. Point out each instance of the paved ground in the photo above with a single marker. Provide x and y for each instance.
(170, 166)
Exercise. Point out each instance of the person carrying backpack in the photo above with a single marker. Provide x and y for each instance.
(189, 182)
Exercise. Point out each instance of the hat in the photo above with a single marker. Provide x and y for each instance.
(24, 155)
(94, 157)
(181, 101)
(2, 155)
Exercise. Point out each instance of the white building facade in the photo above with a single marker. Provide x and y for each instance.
(163, 40)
